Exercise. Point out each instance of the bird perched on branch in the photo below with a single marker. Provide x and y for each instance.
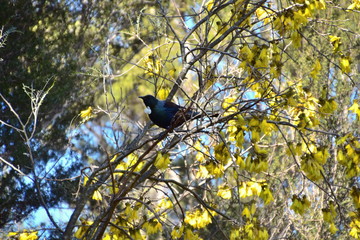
(165, 113)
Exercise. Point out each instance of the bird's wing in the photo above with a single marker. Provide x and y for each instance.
(171, 105)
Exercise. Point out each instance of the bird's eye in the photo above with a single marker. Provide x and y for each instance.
(147, 110)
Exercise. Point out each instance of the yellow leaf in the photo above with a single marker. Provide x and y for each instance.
(320, 4)
(152, 226)
(198, 219)
(191, 235)
(209, 5)
(255, 136)
(263, 234)
(329, 106)
(300, 205)
(333, 229)
(114, 158)
(131, 212)
(97, 195)
(266, 127)
(254, 122)
(83, 228)
(262, 60)
(163, 93)
(300, 19)
(246, 54)
(296, 38)
(243, 191)
(355, 5)
(162, 161)
(87, 114)
(224, 191)
(316, 69)
(177, 232)
(202, 172)
(152, 65)
(107, 237)
(135, 234)
(172, 72)
(267, 196)
(28, 236)
(255, 188)
(263, 14)
(246, 212)
(228, 102)
(326, 215)
(240, 162)
(165, 204)
(345, 64)
(335, 42)
(355, 108)
(85, 180)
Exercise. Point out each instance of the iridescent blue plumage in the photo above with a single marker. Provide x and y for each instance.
(163, 112)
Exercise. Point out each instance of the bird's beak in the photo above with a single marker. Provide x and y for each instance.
(141, 97)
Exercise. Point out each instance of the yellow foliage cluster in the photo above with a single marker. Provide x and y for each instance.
(355, 195)
(355, 225)
(316, 69)
(312, 163)
(199, 218)
(212, 167)
(115, 233)
(163, 93)
(162, 161)
(303, 105)
(355, 5)
(345, 64)
(187, 233)
(209, 168)
(355, 216)
(344, 60)
(24, 235)
(85, 224)
(255, 164)
(152, 65)
(327, 106)
(300, 204)
(348, 155)
(355, 108)
(264, 14)
(164, 204)
(215, 169)
(256, 56)
(252, 230)
(224, 191)
(249, 211)
(293, 19)
(329, 215)
(222, 153)
(335, 42)
(152, 226)
(257, 60)
(230, 106)
(87, 114)
(97, 193)
(131, 212)
(256, 188)
(235, 131)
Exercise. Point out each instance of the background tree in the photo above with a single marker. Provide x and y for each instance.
(280, 161)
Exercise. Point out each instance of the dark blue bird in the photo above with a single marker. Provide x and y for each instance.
(165, 113)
